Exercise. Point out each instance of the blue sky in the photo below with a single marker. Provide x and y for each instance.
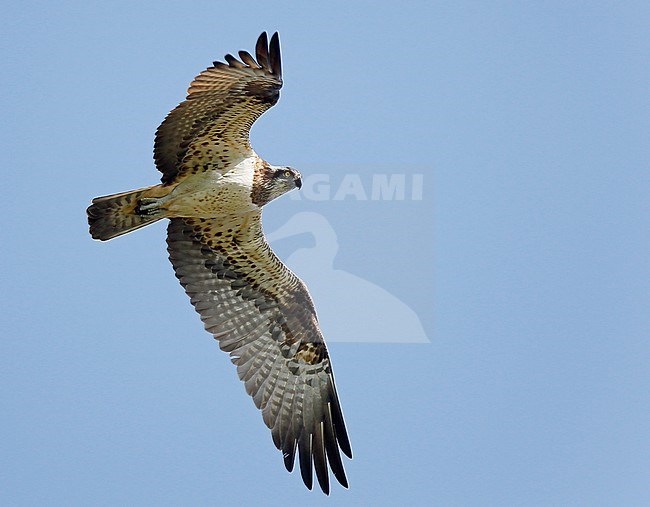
(525, 260)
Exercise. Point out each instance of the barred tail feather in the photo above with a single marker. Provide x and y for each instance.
(113, 215)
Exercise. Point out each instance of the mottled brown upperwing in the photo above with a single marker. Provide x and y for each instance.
(210, 129)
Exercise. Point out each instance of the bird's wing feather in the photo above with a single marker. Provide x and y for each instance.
(262, 314)
(209, 130)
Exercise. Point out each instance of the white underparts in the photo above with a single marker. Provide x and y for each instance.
(212, 193)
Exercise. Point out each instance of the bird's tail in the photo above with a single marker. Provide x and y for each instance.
(113, 215)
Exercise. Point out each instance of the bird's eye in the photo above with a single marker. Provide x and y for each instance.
(287, 173)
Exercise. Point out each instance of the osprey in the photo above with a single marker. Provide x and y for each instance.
(213, 189)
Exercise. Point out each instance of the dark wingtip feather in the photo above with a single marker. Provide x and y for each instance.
(304, 456)
(345, 447)
(289, 460)
(248, 59)
(332, 448)
(289, 454)
(320, 461)
(262, 51)
(274, 55)
(339, 423)
(233, 62)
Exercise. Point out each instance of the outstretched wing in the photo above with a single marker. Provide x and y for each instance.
(262, 314)
(209, 130)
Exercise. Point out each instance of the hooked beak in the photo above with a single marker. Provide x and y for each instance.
(298, 182)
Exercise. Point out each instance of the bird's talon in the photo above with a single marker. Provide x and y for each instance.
(147, 206)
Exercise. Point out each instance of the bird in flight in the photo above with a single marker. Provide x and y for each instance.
(213, 189)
